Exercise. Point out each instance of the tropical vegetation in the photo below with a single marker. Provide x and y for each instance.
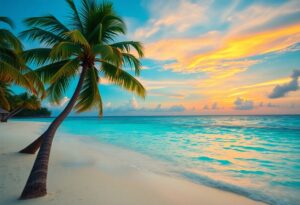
(13, 68)
(40, 112)
(21, 102)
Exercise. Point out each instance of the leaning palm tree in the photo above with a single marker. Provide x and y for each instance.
(86, 48)
(21, 102)
(13, 69)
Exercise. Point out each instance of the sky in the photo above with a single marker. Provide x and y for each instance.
(202, 57)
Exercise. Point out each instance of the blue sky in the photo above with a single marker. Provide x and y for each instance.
(202, 57)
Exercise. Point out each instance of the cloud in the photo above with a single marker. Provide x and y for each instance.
(271, 105)
(229, 55)
(131, 108)
(255, 30)
(167, 94)
(242, 104)
(205, 107)
(176, 108)
(172, 15)
(214, 106)
(108, 104)
(134, 104)
(62, 103)
(282, 90)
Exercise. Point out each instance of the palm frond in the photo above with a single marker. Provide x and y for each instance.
(89, 95)
(32, 76)
(50, 23)
(122, 78)
(131, 61)
(5, 93)
(109, 54)
(65, 50)
(56, 90)
(11, 39)
(7, 20)
(112, 27)
(67, 70)
(75, 18)
(77, 37)
(10, 74)
(45, 37)
(46, 72)
(125, 47)
(39, 56)
(12, 57)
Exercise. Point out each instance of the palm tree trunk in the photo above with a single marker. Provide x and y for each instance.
(12, 113)
(33, 147)
(36, 185)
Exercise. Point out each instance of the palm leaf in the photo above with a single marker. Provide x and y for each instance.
(123, 79)
(39, 56)
(89, 95)
(50, 23)
(46, 72)
(131, 61)
(125, 46)
(5, 93)
(11, 39)
(46, 37)
(64, 50)
(75, 18)
(10, 74)
(33, 77)
(77, 37)
(12, 57)
(56, 90)
(7, 21)
(68, 69)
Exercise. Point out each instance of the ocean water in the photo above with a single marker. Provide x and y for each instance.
(255, 156)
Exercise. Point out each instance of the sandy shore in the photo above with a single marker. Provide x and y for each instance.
(87, 172)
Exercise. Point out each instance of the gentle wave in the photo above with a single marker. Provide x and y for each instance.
(257, 195)
(279, 128)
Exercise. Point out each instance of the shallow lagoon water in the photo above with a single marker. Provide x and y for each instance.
(255, 156)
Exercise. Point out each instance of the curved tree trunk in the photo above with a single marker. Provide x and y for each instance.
(33, 147)
(36, 185)
(12, 113)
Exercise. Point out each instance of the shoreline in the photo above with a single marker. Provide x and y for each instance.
(89, 172)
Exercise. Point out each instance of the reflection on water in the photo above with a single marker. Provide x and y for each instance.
(257, 156)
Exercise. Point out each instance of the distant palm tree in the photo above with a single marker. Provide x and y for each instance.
(21, 102)
(13, 69)
(86, 48)
(5, 93)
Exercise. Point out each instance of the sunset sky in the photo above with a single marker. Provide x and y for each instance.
(201, 57)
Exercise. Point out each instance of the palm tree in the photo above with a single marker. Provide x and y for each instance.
(21, 102)
(5, 93)
(86, 48)
(13, 69)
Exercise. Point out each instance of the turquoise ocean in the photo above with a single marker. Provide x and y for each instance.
(254, 156)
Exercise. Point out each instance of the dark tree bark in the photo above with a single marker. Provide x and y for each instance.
(12, 113)
(33, 147)
(36, 185)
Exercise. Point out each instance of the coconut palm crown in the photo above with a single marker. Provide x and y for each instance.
(85, 47)
(13, 68)
(88, 43)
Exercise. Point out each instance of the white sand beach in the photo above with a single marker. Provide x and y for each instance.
(87, 172)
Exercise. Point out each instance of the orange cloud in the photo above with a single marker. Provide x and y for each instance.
(230, 55)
